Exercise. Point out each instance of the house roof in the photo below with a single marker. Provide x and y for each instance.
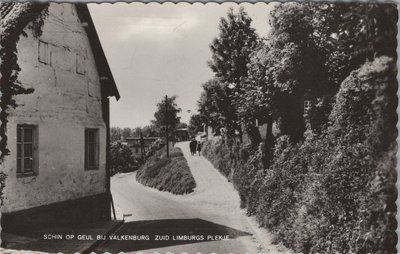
(15, 16)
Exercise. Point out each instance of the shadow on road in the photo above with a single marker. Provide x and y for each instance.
(172, 232)
(55, 239)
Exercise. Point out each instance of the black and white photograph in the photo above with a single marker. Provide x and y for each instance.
(198, 128)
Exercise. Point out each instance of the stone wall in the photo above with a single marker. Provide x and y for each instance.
(63, 104)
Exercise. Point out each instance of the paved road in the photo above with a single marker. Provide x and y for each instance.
(208, 216)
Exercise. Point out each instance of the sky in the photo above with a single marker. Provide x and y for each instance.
(161, 49)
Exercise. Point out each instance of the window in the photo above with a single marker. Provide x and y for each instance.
(91, 148)
(137, 150)
(80, 64)
(44, 52)
(26, 150)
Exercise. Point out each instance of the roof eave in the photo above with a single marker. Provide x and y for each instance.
(108, 83)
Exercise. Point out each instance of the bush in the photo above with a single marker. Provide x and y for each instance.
(122, 159)
(154, 147)
(164, 173)
(363, 163)
(219, 154)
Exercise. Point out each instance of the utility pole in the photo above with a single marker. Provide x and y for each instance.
(166, 124)
(142, 146)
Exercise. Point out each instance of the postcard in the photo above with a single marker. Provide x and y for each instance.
(228, 127)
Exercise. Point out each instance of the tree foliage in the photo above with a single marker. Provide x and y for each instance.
(231, 49)
(150, 131)
(115, 134)
(119, 134)
(230, 56)
(311, 48)
(166, 113)
(196, 124)
(215, 106)
(349, 34)
(122, 159)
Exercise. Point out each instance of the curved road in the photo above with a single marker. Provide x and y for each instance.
(208, 217)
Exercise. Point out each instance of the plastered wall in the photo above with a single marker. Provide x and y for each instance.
(63, 104)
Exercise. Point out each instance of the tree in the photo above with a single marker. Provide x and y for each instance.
(231, 49)
(150, 131)
(196, 123)
(311, 48)
(136, 131)
(351, 34)
(121, 158)
(167, 112)
(258, 97)
(230, 56)
(126, 132)
(216, 107)
(297, 65)
(115, 134)
(147, 131)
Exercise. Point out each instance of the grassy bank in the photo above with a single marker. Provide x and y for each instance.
(164, 173)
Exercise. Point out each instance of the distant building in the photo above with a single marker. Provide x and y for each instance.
(135, 145)
(58, 167)
(181, 134)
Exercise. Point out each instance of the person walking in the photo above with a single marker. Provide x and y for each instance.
(192, 146)
(199, 147)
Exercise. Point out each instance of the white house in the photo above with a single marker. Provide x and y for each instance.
(58, 136)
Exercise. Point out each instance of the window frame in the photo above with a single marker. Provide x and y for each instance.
(46, 51)
(89, 165)
(21, 171)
